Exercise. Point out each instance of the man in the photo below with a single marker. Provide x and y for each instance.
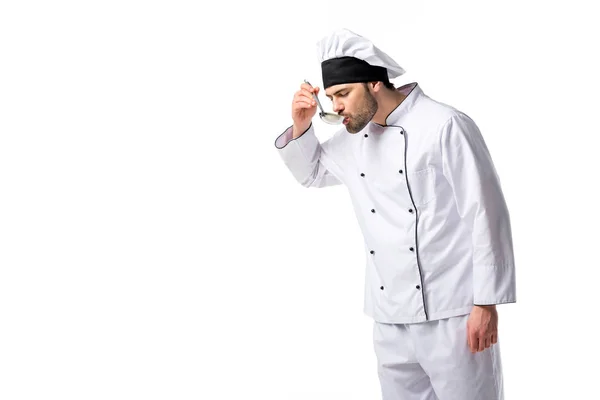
(436, 228)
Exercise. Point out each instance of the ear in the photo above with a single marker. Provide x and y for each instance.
(375, 86)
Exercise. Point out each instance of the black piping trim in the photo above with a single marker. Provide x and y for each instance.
(416, 223)
(395, 108)
(275, 143)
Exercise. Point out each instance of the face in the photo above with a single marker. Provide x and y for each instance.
(355, 102)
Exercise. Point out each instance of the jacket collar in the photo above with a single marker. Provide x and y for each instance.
(413, 94)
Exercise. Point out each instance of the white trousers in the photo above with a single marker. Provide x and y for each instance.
(432, 361)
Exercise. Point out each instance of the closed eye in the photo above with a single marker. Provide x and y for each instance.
(337, 95)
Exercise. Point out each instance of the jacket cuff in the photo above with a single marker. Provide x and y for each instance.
(494, 285)
(286, 137)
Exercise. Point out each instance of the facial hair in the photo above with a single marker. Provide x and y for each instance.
(365, 113)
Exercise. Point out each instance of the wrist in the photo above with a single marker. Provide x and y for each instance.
(299, 130)
(486, 306)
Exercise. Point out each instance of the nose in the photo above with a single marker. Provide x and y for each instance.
(337, 107)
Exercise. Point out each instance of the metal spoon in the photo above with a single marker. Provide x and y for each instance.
(330, 118)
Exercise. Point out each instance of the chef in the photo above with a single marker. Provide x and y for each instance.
(436, 228)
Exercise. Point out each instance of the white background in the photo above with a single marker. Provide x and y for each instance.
(154, 246)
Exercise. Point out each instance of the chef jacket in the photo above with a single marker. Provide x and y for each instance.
(436, 228)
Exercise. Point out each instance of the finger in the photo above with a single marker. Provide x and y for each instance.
(307, 87)
(307, 94)
(301, 96)
(306, 97)
(494, 338)
(488, 343)
(474, 345)
(481, 343)
(474, 341)
(302, 104)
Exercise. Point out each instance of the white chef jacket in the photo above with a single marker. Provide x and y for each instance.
(436, 228)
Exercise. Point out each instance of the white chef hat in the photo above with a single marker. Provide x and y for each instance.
(347, 57)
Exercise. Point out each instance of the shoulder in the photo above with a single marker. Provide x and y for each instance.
(443, 117)
(439, 113)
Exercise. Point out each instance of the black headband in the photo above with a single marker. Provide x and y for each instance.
(350, 70)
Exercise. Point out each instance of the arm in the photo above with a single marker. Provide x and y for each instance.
(303, 157)
(468, 166)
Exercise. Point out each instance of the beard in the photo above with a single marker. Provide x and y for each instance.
(364, 114)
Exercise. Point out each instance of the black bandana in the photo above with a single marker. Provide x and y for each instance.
(350, 70)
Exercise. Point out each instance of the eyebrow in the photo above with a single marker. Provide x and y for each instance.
(342, 89)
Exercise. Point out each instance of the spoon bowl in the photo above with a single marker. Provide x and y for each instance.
(327, 117)
(331, 118)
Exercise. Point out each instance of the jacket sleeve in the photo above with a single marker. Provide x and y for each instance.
(304, 157)
(468, 167)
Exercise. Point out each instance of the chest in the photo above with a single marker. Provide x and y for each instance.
(396, 163)
(396, 151)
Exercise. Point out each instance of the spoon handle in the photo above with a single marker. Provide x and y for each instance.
(316, 98)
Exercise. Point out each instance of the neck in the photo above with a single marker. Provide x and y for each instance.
(387, 102)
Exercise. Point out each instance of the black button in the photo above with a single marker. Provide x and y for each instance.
(410, 211)
(373, 210)
(372, 252)
(362, 174)
(381, 288)
(401, 171)
(418, 287)
(366, 135)
(402, 132)
(412, 249)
